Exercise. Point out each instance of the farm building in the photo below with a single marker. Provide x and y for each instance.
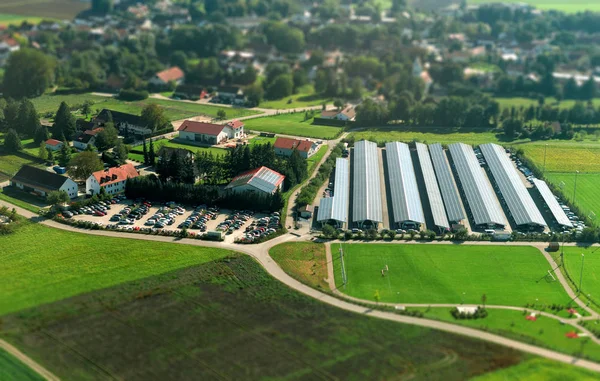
(210, 133)
(263, 180)
(366, 203)
(406, 201)
(347, 114)
(481, 200)
(334, 210)
(557, 212)
(112, 179)
(515, 196)
(41, 182)
(163, 78)
(285, 147)
(434, 195)
(448, 189)
(123, 121)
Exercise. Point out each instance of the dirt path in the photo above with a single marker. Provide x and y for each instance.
(28, 361)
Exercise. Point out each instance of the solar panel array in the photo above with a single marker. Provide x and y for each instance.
(431, 185)
(446, 183)
(515, 194)
(478, 191)
(266, 180)
(336, 207)
(366, 205)
(553, 205)
(406, 201)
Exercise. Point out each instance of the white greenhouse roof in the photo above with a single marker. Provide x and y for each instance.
(553, 205)
(336, 207)
(433, 190)
(366, 203)
(447, 185)
(325, 209)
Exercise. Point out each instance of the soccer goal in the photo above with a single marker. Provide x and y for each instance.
(550, 277)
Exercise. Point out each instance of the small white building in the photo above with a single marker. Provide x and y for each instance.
(54, 145)
(86, 138)
(263, 180)
(112, 179)
(41, 182)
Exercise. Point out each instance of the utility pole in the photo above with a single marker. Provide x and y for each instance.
(581, 273)
(575, 187)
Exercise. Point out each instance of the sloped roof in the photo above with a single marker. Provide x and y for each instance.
(201, 128)
(53, 142)
(39, 178)
(235, 124)
(120, 117)
(115, 174)
(287, 143)
(263, 178)
(171, 74)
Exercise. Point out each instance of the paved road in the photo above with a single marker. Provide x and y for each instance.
(261, 254)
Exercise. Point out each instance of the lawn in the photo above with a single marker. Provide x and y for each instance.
(448, 274)
(538, 369)
(22, 199)
(426, 135)
(13, 369)
(228, 319)
(316, 158)
(559, 5)
(303, 261)
(41, 265)
(173, 144)
(261, 140)
(291, 124)
(10, 164)
(305, 97)
(519, 102)
(590, 284)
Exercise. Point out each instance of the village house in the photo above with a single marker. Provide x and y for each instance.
(7, 46)
(123, 121)
(261, 180)
(86, 138)
(286, 146)
(210, 133)
(112, 179)
(163, 78)
(41, 182)
(54, 145)
(347, 114)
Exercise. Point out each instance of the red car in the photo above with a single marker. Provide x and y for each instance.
(99, 213)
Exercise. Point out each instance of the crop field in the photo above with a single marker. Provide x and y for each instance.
(306, 97)
(559, 5)
(44, 9)
(42, 265)
(429, 136)
(538, 369)
(228, 319)
(448, 274)
(13, 369)
(303, 261)
(291, 124)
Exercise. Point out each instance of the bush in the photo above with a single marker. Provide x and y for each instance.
(132, 95)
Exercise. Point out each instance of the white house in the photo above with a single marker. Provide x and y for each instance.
(86, 138)
(347, 114)
(41, 182)
(112, 179)
(263, 180)
(54, 145)
(163, 78)
(210, 133)
(285, 147)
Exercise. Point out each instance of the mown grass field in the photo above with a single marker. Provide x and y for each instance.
(228, 319)
(559, 5)
(447, 274)
(291, 124)
(305, 97)
(11, 163)
(426, 135)
(590, 284)
(13, 369)
(519, 102)
(538, 369)
(42, 265)
(303, 261)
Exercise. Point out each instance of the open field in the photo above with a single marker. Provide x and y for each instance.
(291, 124)
(7, 19)
(13, 369)
(228, 319)
(448, 274)
(10, 164)
(173, 109)
(538, 370)
(304, 261)
(587, 190)
(306, 97)
(46, 9)
(174, 144)
(426, 135)
(564, 156)
(42, 265)
(559, 5)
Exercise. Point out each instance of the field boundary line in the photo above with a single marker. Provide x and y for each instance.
(37, 368)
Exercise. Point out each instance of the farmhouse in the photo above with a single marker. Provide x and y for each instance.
(285, 147)
(231, 94)
(262, 180)
(210, 133)
(54, 145)
(41, 182)
(86, 138)
(112, 179)
(163, 78)
(347, 114)
(123, 121)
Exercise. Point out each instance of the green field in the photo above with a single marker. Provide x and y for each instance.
(22, 199)
(519, 102)
(305, 97)
(174, 110)
(10, 164)
(559, 5)
(13, 369)
(291, 124)
(46, 9)
(590, 284)
(228, 319)
(314, 159)
(426, 135)
(42, 265)
(6, 19)
(303, 261)
(539, 370)
(174, 144)
(448, 274)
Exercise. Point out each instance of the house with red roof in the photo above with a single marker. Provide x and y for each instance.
(172, 74)
(262, 180)
(285, 147)
(112, 179)
(54, 145)
(210, 133)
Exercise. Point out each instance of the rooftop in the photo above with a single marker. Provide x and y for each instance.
(263, 178)
(201, 128)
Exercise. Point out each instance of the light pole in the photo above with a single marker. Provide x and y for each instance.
(575, 187)
(545, 148)
(581, 272)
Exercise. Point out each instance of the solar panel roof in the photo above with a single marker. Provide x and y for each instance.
(366, 203)
(520, 204)
(431, 185)
(478, 191)
(553, 205)
(336, 207)
(446, 183)
(325, 209)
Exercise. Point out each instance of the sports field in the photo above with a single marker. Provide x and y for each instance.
(448, 274)
(591, 270)
(559, 5)
(292, 124)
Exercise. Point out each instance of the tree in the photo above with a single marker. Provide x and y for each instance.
(86, 109)
(255, 94)
(12, 142)
(145, 148)
(338, 104)
(64, 155)
(28, 73)
(483, 299)
(28, 119)
(41, 134)
(84, 164)
(64, 123)
(107, 138)
(43, 151)
(121, 152)
(221, 114)
(153, 116)
(50, 157)
(56, 198)
(151, 154)
(281, 87)
(284, 38)
(102, 7)
(328, 231)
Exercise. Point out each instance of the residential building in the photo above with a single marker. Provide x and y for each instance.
(54, 145)
(263, 180)
(7, 46)
(86, 138)
(123, 121)
(163, 78)
(210, 133)
(236, 129)
(347, 114)
(230, 94)
(285, 147)
(112, 179)
(41, 182)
